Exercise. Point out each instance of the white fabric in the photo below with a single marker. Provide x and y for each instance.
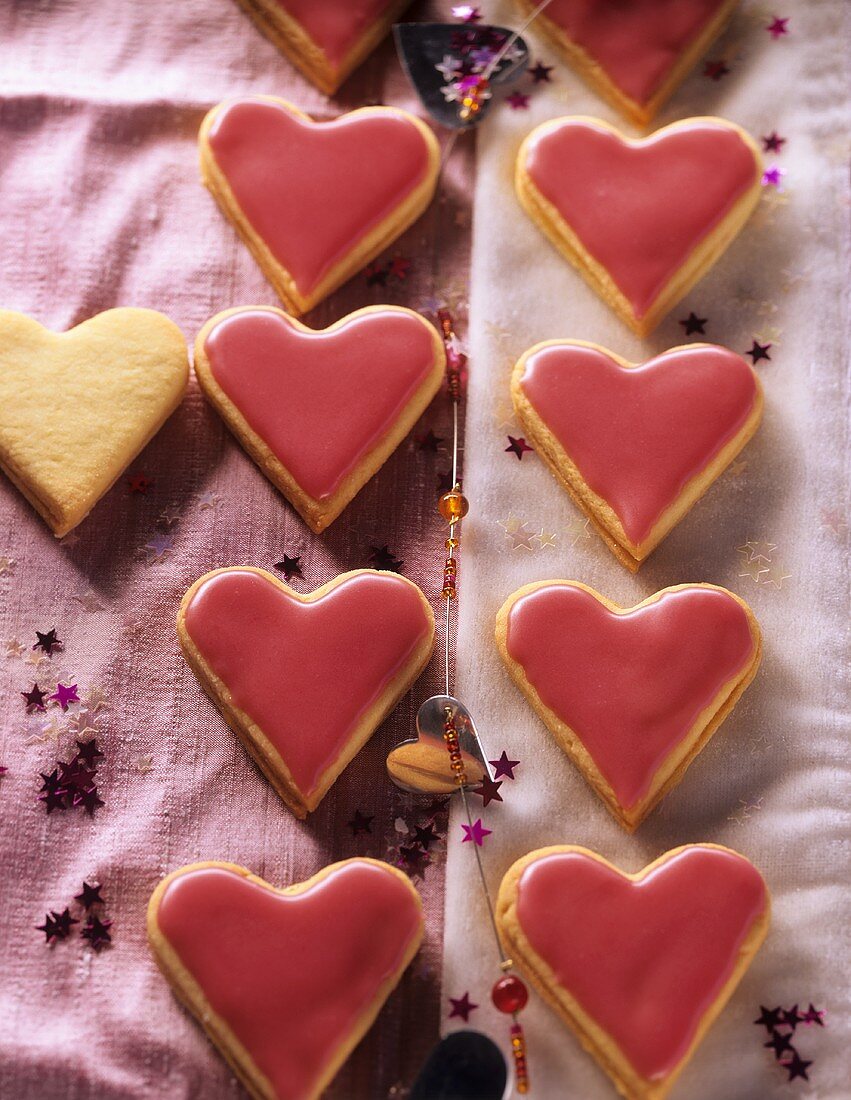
(784, 748)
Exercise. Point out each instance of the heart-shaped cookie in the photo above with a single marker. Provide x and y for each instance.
(639, 966)
(641, 220)
(285, 982)
(633, 54)
(630, 694)
(325, 39)
(319, 412)
(77, 407)
(315, 202)
(636, 445)
(304, 680)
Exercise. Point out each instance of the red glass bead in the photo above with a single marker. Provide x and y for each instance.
(509, 994)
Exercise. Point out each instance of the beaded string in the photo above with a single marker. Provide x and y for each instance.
(509, 994)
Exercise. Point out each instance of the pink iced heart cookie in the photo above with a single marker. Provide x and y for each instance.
(636, 445)
(638, 966)
(285, 982)
(315, 202)
(634, 54)
(325, 39)
(630, 694)
(319, 412)
(641, 220)
(304, 680)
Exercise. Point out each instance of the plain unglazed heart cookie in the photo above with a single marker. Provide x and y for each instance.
(285, 982)
(316, 202)
(635, 445)
(634, 54)
(638, 966)
(641, 220)
(632, 695)
(325, 39)
(77, 407)
(319, 411)
(304, 680)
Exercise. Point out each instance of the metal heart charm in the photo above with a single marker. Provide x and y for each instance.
(437, 57)
(422, 765)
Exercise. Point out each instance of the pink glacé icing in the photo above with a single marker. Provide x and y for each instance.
(311, 190)
(641, 208)
(336, 25)
(631, 686)
(290, 975)
(637, 42)
(305, 673)
(320, 400)
(645, 960)
(638, 435)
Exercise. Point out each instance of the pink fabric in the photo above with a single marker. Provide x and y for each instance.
(101, 206)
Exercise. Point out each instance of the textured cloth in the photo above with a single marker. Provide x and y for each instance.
(100, 105)
(774, 781)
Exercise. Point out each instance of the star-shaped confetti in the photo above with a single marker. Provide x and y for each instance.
(7, 566)
(34, 699)
(461, 1007)
(780, 1043)
(65, 695)
(437, 806)
(466, 13)
(47, 641)
(813, 1015)
(96, 931)
(361, 823)
(715, 70)
(88, 600)
(140, 483)
(475, 833)
(399, 268)
(791, 1017)
(89, 753)
(518, 533)
(694, 324)
(290, 566)
(768, 1017)
(759, 352)
(489, 791)
(376, 275)
(144, 764)
(773, 177)
(382, 558)
(777, 28)
(158, 546)
(796, 1067)
(504, 768)
(15, 648)
(426, 835)
(413, 859)
(517, 446)
(57, 926)
(428, 441)
(757, 551)
(517, 101)
(754, 570)
(89, 895)
(773, 142)
(540, 73)
(207, 500)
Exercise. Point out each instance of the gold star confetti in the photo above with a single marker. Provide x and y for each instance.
(753, 570)
(504, 415)
(757, 551)
(51, 731)
(577, 529)
(547, 538)
(776, 575)
(759, 743)
(144, 764)
(168, 517)
(7, 566)
(207, 500)
(737, 468)
(747, 810)
(833, 520)
(94, 700)
(522, 538)
(35, 659)
(88, 600)
(497, 332)
(792, 278)
(15, 647)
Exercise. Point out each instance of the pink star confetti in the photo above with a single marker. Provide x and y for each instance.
(777, 28)
(462, 1007)
(64, 695)
(517, 101)
(466, 13)
(399, 268)
(475, 833)
(773, 177)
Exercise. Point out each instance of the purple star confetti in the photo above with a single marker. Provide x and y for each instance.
(758, 352)
(34, 699)
(382, 558)
(540, 73)
(488, 791)
(65, 695)
(715, 70)
(504, 768)
(517, 447)
(89, 895)
(96, 931)
(773, 143)
(290, 567)
(461, 1007)
(782, 1027)
(72, 783)
(518, 101)
(475, 833)
(47, 642)
(694, 324)
(773, 177)
(140, 483)
(361, 823)
(426, 835)
(777, 28)
(57, 926)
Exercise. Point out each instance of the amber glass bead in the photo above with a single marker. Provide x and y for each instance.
(509, 994)
(453, 506)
